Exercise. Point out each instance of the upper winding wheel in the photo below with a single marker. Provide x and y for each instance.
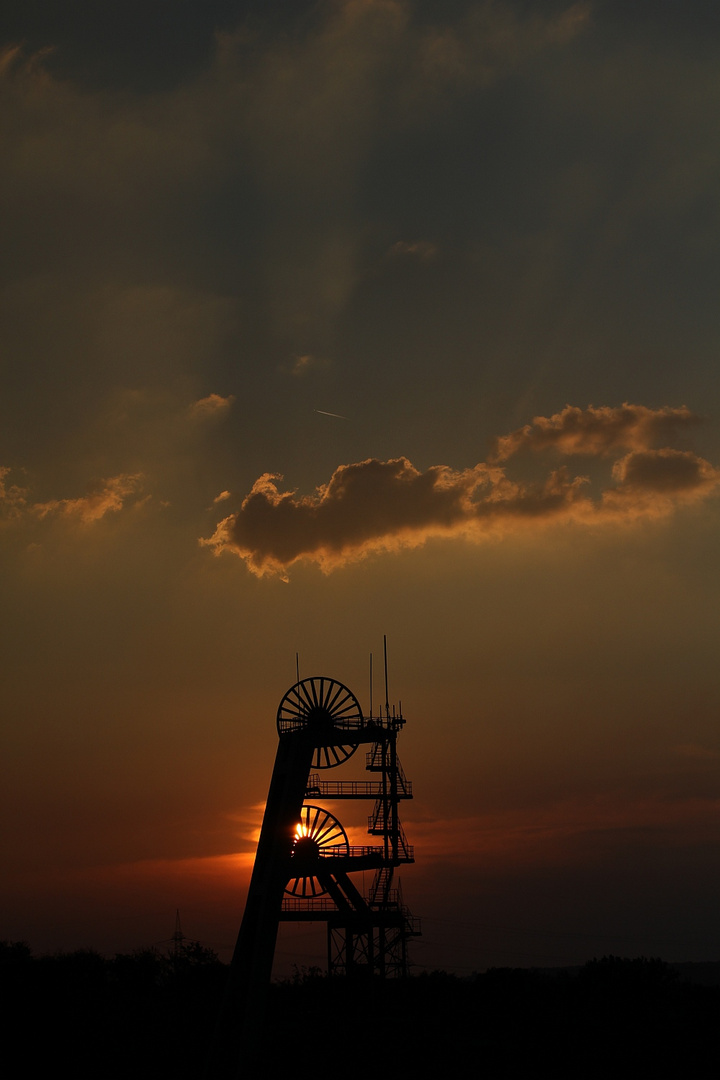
(317, 836)
(324, 707)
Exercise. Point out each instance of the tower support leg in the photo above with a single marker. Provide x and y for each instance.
(236, 1039)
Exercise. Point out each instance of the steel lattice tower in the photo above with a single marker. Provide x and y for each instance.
(304, 860)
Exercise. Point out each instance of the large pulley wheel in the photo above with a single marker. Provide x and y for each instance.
(318, 835)
(324, 708)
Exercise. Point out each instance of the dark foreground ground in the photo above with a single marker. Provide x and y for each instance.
(151, 1015)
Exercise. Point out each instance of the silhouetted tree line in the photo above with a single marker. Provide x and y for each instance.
(151, 1014)
(141, 1014)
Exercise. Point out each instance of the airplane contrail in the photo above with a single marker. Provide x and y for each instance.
(323, 413)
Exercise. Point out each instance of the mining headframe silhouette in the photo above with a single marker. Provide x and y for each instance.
(304, 862)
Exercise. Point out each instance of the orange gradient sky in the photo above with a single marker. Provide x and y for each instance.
(345, 319)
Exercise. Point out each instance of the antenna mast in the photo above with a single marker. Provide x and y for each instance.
(371, 686)
(387, 701)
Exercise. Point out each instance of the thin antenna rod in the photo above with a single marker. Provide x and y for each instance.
(297, 666)
(387, 702)
(371, 686)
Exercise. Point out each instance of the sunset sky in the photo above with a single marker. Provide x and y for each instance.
(324, 321)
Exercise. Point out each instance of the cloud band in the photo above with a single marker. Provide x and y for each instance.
(373, 506)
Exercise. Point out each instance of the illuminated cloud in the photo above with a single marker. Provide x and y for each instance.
(373, 505)
(305, 363)
(212, 407)
(596, 432)
(109, 496)
(106, 496)
(13, 498)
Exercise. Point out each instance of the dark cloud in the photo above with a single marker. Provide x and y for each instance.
(137, 45)
(369, 504)
(651, 482)
(376, 505)
(664, 471)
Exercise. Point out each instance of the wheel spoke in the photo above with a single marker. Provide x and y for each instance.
(330, 703)
(325, 831)
(305, 697)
